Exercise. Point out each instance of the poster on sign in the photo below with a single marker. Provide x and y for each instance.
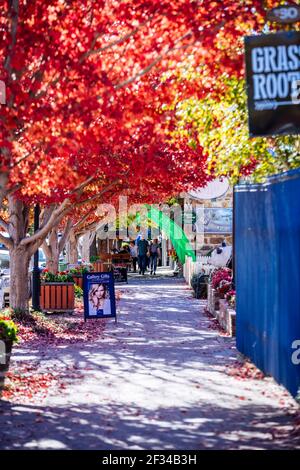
(273, 83)
(99, 295)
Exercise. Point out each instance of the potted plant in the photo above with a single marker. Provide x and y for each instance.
(221, 283)
(224, 287)
(57, 292)
(98, 265)
(231, 299)
(77, 273)
(8, 336)
(199, 284)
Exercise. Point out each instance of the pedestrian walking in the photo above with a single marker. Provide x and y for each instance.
(154, 251)
(142, 246)
(134, 254)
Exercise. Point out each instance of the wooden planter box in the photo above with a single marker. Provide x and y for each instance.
(102, 266)
(213, 300)
(226, 317)
(98, 266)
(57, 297)
(232, 316)
(78, 279)
(5, 353)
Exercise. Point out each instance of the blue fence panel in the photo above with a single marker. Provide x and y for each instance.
(267, 247)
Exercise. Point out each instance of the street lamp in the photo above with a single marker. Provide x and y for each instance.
(36, 269)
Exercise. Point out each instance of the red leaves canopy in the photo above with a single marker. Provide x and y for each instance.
(86, 82)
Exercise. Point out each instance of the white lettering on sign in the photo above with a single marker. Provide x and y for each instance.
(276, 70)
(288, 13)
(275, 58)
(296, 91)
(284, 14)
(97, 276)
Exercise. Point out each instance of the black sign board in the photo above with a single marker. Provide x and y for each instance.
(273, 83)
(285, 14)
(120, 274)
(99, 295)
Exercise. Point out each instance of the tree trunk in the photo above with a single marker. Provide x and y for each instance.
(52, 265)
(85, 253)
(72, 253)
(19, 279)
(19, 255)
(93, 248)
(87, 240)
(52, 251)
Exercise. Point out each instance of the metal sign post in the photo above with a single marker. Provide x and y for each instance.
(36, 270)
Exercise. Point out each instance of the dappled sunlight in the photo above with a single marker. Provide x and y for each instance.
(155, 380)
(114, 426)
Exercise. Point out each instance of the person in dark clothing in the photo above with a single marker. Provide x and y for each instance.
(154, 251)
(134, 254)
(142, 254)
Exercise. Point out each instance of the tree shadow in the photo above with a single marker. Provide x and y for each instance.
(156, 381)
(112, 427)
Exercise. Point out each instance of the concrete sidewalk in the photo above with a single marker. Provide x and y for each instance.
(157, 381)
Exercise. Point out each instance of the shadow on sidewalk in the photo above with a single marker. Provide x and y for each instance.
(110, 426)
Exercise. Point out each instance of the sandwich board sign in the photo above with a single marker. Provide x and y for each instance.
(273, 83)
(99, 295)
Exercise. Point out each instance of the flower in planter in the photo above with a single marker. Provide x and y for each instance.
(224, 287)
(219, 275)
(8, 329)
(79, 270)
(6, 313)
(231, 298)
(63, 276)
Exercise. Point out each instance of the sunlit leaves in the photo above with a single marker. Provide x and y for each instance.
(220, 127)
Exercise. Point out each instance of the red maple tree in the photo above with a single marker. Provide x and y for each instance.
(85, 85)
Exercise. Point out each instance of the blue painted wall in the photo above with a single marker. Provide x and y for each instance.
(267, 244)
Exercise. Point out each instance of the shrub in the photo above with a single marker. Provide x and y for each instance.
(8, 328)
(62, 276)
(231, 298)
(79, 270)
(78, 292)
(198, 283)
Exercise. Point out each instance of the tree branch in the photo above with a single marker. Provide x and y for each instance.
(113, 43)
(7, 241)
(3, 224)
(64, 238)
(87, 228)
(152, 64)
(45, 229)
(46, 249)
(160, 57)
(14, 16)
